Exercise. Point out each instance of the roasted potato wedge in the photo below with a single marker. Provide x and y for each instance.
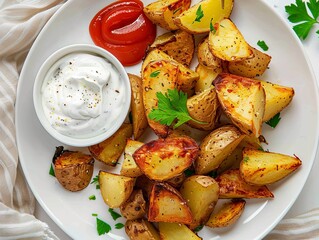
(174, 231)
(206, 57)
(186, 79)
(73, 169)
(163, 159)
(158, 76)
(227, 42)
(250, 67)
(110, 150)
(115, 189)
(206, 77)
(215, 147)
(201, 194)
(141, 229)
(179, 45)
(137, 107)
(197, 19)
(135, 206)
(227, 215)
(146, 184)
(129, 167)
(177, 181)
(277, 98)
(261, 168)
(163, 12)
(167, 205)
(204, 107)
(243, 100)
(232, 185)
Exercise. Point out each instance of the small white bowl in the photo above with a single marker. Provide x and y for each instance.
(80, 141)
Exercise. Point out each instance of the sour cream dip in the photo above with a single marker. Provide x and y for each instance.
(82, 95)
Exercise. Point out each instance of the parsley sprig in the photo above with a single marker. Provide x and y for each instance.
(298, 13)
(171, 106)
(199, 14)
(273, 122)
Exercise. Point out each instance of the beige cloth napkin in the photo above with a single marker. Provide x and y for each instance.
(20, 23)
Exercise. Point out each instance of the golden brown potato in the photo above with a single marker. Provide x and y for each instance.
(135, 206)
(206, 57)
(261, 168)
(110, 150)
(201, 194)
(129, 167)
(243, 100)
(179, 45)
(141, 229)
(250, 67)
(176, 231)
(167, 205)
(163, 12)
(227, 215)
(232, 185)
(146, 184)
(204, 107)
(186, 77)
(163, 159)
(137, 107)
(158, 76)
(206, 77)
(215, 147)
(227, 42)
(177, 181)
(277, 98)
(73, 169)
(109, 182)
(199, 17)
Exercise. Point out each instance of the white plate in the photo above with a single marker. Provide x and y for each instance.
(297, 133)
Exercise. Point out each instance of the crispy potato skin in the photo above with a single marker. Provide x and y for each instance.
(206, 57)
(261, 168)
(163, 12)
(74, 170)
(167, 205)
(213, 11)
(227, 215)
(137, 107)
(141, 229)
(135, 206)
(112, 148)
(201, 194)
(180, 45)
(163, 159)
(232, 185)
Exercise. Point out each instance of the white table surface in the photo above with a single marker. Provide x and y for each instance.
(307, 200)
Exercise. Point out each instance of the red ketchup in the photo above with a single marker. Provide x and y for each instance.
(123, 29)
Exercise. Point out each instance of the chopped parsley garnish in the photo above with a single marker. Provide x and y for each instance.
(94, 214)
(299, 14)
(92, 197)
(51, 171)
(262, 45)
(211, 27)
(199, 14)
(171, 106)
(119, 225)
(155, 73)
(114, 214)
(102, 227)
(245, 159)
(198, 228)
(274, 120)
(96, 181)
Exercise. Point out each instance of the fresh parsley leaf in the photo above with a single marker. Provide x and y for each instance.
(198, 228)
(102, 227)
(155, 73)
(199, 14)
(94, 214)
(171, 106)
(274, 120)
(211, 27)
(114, 214)
(96, 181)
(245, 159)
(51, 172)
(298, 13)
(92, 197)
(262, 45)
(119, 225)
